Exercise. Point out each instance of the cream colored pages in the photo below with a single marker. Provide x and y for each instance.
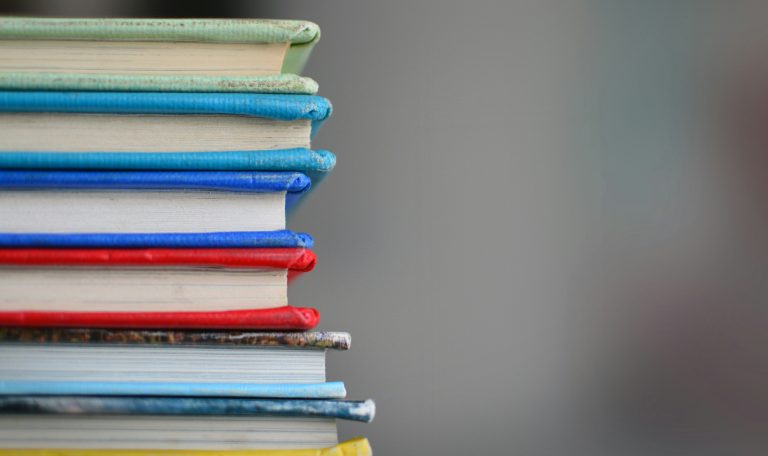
(114, 289)
(137, 57)
(139, 211)
(29, 132)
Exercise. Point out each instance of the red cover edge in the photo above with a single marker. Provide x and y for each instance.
(279, 318)
(295, 259)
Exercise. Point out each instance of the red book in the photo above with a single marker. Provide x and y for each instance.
(153, 288)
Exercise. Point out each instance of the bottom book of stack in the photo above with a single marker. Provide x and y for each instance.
(70, 391)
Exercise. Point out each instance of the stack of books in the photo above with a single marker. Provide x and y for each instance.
(146, 168)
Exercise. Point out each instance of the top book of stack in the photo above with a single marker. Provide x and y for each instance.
(168, 55)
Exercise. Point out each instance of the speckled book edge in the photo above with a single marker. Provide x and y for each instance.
(363, 411)
(304, 340)
(280, 84)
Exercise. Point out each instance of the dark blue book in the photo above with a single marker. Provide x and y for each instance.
(148, 208)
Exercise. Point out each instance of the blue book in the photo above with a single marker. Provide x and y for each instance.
(329, 390)
(180, 406)
(148, 208)
(163, 131)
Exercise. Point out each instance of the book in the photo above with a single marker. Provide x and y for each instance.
(148, 280)
(166, 423)
(59, 202)
(147, 167)
(355, 447)
(156, 122)
(128, 356)
(204, 55)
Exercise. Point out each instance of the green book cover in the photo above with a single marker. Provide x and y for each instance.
(301, 36)
(283, 83)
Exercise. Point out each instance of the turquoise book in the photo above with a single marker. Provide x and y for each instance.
(163, 131)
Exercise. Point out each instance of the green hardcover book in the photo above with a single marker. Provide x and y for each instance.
(171, 55)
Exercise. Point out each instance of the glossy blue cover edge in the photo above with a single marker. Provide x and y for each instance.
(329, 390)
(233, 239)
(230, 181)
(314, 163)
(273, 106)
(349, 410)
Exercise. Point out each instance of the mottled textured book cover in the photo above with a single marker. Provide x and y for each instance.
(73, 405)
(304, 340)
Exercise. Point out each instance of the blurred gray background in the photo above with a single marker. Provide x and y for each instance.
(461, 237)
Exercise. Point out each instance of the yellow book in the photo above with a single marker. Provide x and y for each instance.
(355, 447)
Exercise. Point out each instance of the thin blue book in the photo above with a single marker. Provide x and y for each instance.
(163, 131)
(149, 208)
